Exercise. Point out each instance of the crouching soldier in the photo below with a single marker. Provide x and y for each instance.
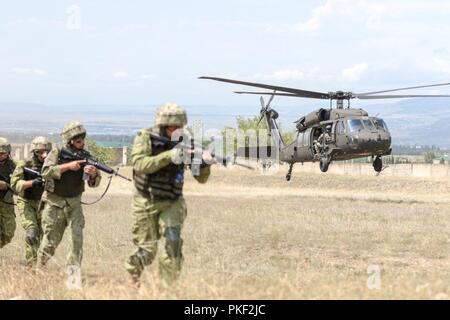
(7, 215)
(64, 185)
(29, 187)
(158, 206)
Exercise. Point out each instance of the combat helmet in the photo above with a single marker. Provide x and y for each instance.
(170, 114)
(41, 143)
(72, 130)
(5, 146)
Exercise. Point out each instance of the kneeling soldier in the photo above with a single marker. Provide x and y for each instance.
(159, 209)
(30, 187)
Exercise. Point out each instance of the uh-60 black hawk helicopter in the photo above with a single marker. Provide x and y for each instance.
(329, 134)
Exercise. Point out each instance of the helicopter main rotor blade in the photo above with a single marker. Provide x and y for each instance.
(268, 93)
(297, 92)
(407, 88)
(404, 96)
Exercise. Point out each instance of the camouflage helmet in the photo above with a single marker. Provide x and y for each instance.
(41, 143)
(5, 146)
(71, 130)
(170, 114)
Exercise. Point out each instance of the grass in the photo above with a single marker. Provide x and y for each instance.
(252, 236)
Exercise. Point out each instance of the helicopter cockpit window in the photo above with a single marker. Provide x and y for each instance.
(381, 124)
(340, 128)
(369, 125)
(355, 125)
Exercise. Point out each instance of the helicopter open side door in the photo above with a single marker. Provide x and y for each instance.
(303, 146)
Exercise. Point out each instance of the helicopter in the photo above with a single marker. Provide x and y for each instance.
(332, 133)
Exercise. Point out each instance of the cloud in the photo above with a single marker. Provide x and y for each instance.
(442, 65)
(371, 14)
(147, 76)
(282, 75)
(29, 71)
(120, 75)
(318, 14)
(354, 73)
(34, 22)
(31, 20)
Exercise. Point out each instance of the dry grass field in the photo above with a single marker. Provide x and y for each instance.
(253, 236)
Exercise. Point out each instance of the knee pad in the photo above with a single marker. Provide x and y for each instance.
(173, 242)
(32, 236)
(145, 258)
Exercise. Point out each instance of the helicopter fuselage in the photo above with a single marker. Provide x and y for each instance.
(347, 134)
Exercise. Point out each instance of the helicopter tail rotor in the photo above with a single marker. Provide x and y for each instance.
(265, 107)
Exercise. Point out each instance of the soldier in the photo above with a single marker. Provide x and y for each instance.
(64, 185)
(159, 209)
(324, 135)
(30, 188)
(7, 215)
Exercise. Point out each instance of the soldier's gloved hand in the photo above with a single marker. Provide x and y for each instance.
(3, 185)
(37, 182)
(208, 158)
(177, 155)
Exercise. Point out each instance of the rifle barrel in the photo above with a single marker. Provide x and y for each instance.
(90, 161)
(31, 171)
(173, 143)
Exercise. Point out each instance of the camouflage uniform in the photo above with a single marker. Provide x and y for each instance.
(7, 215)
(159, 209)
(29, 199)
(62, 201)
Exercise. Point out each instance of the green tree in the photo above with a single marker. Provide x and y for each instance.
(254, 123)
(105, 155)
(429, 156)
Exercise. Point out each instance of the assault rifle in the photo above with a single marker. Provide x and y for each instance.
(34, 175)
(83, 155)
(196, 152)
(5, 193)
(32, 172)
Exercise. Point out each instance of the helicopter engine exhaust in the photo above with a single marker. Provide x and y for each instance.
(313, 118)
(273, 114)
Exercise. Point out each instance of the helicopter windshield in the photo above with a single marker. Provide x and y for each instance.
(355, 125)
(368, 124)
(381, 124)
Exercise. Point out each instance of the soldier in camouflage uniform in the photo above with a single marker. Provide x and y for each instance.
(64, 185)
(158, 206)
(7, 215)
(30, 189)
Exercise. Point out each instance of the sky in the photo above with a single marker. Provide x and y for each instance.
(148, 52)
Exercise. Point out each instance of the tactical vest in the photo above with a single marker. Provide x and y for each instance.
(6, 169)
(34, 193)
(71, 183)
(166, 183)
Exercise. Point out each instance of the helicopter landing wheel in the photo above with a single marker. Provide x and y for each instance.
(324, 164)
(378, 164)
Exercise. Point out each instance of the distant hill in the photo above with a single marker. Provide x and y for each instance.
(412, 121)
